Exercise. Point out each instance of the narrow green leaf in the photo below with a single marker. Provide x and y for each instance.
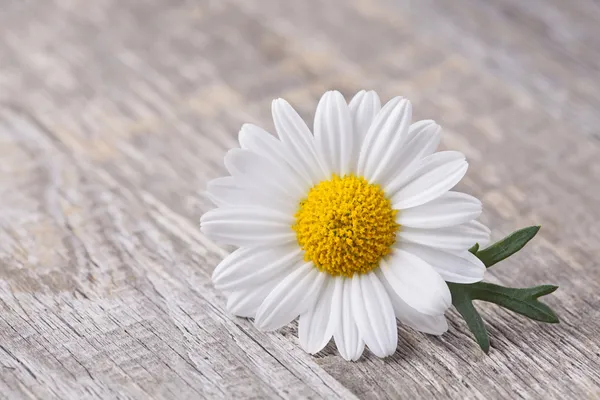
(542, 290)
(462, 301)
(474, 249)
(523, 301)
(507, 246)
(520, 300)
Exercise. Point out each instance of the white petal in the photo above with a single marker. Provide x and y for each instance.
(227, 192)
(293, 296)
(452, 267)
(480, 229)
(249, 168)
(431, 324)
(418, 168)
(333, 133)
(437, 174)
(249, 267)
(364, 106)
(374, 314)
(347, 339)
(429, 128)
(248, 226)
(261, 142)
(451, 208)
(422, 140)
(315, 327)
(244, 302)
(223, 191)
(386, 134)
(416, 282)
(297, 139)
(460, 237)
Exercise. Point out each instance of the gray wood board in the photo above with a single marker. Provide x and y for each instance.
(115, 114)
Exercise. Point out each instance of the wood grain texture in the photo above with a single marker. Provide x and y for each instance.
(115, 114)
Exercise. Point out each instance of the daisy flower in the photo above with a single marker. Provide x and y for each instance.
(350, 228)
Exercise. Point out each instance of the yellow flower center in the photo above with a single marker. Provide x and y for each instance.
(345, 225)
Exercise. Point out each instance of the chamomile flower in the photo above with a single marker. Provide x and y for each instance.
(349, 228)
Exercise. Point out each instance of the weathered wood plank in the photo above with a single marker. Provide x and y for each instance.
(110, 293)
(113, 115)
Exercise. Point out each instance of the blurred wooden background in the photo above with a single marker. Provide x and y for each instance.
(115, 113)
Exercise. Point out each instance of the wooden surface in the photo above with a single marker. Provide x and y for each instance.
(114, 115)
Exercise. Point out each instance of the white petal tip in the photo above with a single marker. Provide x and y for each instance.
(439, 333)
(278, 102)
(203, 229)
(401, 102)
(229, 158)
(440, 306)
(244, 132)
(383, 353)
(439, 327)
(203, 219)
(259, 324)
(312, 348)
(219, 279)
(210, 197)
(236, 308)
(332, 96)
(265, 327)
(351, 357)
(215, 276)
(478, 271)
(206, 228)
(447, 303)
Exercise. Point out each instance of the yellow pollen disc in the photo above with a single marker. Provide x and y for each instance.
(345, 225)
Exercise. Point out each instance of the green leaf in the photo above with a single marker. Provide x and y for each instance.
(523, 301)
(474, 249)
(464, 305)
(507, 246)
(520, 300)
